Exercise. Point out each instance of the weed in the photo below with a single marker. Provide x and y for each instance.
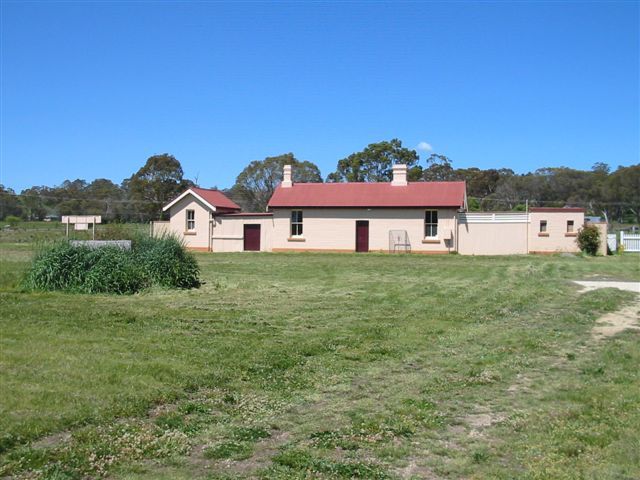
(232, 450)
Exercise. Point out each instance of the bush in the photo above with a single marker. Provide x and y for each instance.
(153, 261)
(589, 239)
(12, 220)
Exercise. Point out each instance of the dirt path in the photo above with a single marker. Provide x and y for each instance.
(627, 318)
(616, 322)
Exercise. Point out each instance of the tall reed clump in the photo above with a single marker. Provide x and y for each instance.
(151, 261)
(167, 262)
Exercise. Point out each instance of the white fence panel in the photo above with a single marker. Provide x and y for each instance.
(494, 217)
(631, 243)
(612, 242)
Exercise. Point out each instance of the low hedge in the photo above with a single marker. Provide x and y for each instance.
(151, 261)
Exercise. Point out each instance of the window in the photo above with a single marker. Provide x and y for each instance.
(569, 226)
(543, 226)
(296, 223)
(431, 223)
(191, 220)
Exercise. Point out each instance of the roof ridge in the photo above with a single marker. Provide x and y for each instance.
(376, 183)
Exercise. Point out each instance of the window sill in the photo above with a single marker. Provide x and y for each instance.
(571, 234)
(190, 233)
(431, 240)
(543, 234)
(296, 239)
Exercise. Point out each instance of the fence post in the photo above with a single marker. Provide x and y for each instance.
(622, 238)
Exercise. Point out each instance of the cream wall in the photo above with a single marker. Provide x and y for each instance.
(199, 238)
(557, 238)
(602, 228)
(492, 238)
(228, 232)
(335, 229)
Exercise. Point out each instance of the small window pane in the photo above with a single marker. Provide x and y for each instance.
(569, 226)
(296, 223)
(543, 226)
(191, 220)
(431, 223)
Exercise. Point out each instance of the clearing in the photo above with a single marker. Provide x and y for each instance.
(292, 366)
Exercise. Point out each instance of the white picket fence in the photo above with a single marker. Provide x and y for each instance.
(631, 243)
(612, 242)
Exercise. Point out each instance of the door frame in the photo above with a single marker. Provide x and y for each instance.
(363, 223)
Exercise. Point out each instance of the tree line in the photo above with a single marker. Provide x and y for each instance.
(613, 194)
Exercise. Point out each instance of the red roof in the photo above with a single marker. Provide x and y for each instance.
(556, 209)
(216, 198)
(414, 194)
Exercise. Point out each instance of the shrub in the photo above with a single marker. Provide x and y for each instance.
(12, 220)
(589, 239)
(153, 261)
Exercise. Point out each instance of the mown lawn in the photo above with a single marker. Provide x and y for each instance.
(324, 366)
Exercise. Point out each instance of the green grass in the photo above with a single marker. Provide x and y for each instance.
(33, 232)
(326, 366)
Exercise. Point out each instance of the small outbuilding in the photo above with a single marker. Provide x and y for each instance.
(191, 216)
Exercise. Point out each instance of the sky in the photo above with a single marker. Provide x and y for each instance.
(91, 90)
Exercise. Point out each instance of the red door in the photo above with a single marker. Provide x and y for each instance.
(252, 238)
(362, 236)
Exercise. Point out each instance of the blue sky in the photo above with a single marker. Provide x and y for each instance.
(91, 90)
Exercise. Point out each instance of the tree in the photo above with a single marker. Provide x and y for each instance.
(375, 163)
(623, 189)
(439, 169)
(9, 203)
(154, 185)
(601, 167)
(257, 182)
(480, 183)
(71, 195)
(104, 198)
(33, 202)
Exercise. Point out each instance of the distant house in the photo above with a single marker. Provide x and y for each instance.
(396, 216)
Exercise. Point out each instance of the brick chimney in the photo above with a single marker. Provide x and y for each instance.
(399, 175)
(286, 177)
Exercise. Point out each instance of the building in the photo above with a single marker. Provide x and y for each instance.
(191, 216)
(398, 216)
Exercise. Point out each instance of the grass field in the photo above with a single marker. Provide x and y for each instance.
(293, 366)
(34, 232)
